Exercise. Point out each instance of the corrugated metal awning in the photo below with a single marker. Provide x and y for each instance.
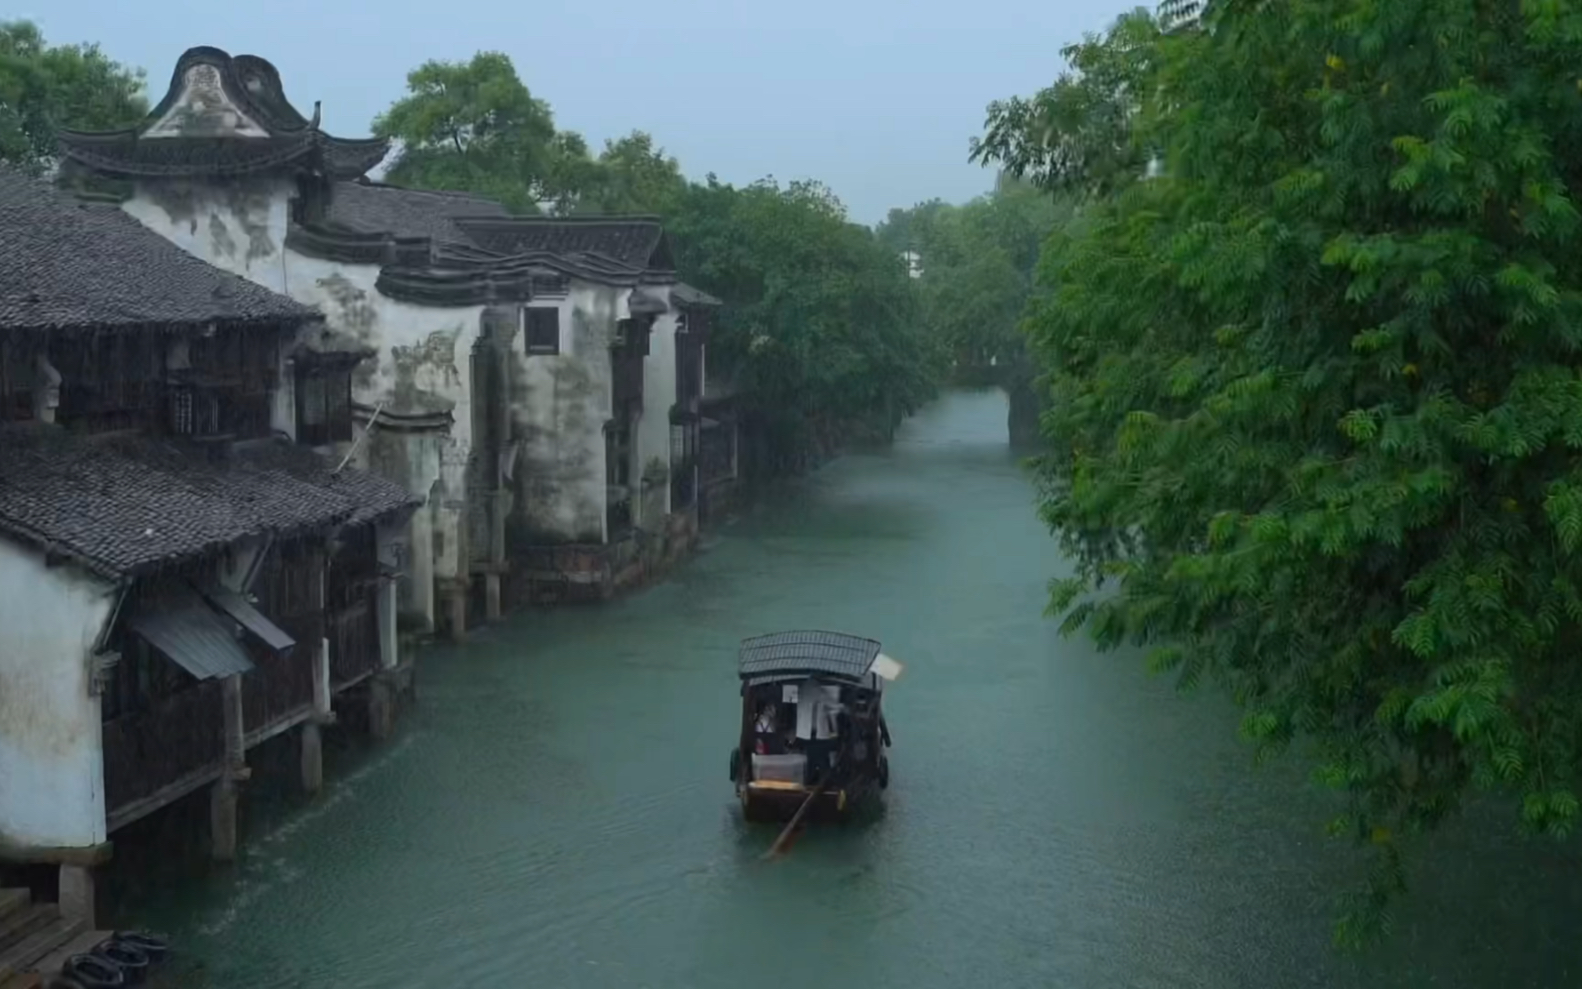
(250, 618)
(192, 635)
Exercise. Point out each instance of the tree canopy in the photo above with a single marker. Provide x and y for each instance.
(1316, 405)
(976, 266)
(473, 126)
(44, 86)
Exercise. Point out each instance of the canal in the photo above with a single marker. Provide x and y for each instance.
(556, 811)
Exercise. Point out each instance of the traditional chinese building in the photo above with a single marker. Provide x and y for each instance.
(186, 568)
(524, 369)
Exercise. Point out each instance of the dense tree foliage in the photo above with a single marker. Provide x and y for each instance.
(44, 86)
(820, 324)
(1316, 394)
(976, 265)
(818, 329)
(473, 126)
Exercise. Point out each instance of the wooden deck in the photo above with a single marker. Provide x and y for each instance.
(31, 933)
(35, 941)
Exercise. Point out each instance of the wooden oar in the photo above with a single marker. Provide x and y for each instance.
(796, 818)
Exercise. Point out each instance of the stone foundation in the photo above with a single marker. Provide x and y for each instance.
(582, 572)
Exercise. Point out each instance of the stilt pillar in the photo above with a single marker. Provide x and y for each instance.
(491, 596)
(312, 752)
(222, 820)
(77, 894)
(381, 705)
(456, 610)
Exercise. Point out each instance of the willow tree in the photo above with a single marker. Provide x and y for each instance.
(1316, 395)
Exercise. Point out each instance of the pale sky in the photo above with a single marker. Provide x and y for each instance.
(877, 98)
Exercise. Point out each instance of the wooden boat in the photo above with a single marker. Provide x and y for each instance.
(812, 724)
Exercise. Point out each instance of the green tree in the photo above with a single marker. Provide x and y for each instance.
(1316, 402)
(819, 325)
(44, 86)
(633, 175)
(1079, 134)
(473, 126)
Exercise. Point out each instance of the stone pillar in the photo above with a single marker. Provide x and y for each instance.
(491, 596)
(312, 742)
(222, 820)
(456, 610)
(224, 799)
(77, 894)
(381, 705)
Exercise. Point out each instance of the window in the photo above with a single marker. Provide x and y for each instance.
(542, 330)
(324, 406)
(194, 412)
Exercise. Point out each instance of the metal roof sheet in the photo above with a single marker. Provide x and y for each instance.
(193, 635)
(807, 651)
(250, 618)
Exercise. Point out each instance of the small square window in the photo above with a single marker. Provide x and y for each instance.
(542, 330)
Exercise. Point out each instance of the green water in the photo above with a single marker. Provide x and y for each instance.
(556, 812)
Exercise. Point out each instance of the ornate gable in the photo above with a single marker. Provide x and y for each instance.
(222, 117)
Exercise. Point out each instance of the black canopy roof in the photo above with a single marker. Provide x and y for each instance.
(808, 652)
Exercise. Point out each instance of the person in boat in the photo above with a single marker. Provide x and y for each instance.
(770, 740)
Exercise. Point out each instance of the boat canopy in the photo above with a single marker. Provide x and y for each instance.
(808, 653)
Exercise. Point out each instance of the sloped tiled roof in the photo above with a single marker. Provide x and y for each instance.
(370, 207)
(67, 264)
(124, 504)
(687, 295)
(637, 242)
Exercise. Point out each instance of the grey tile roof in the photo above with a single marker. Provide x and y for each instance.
(687, 295)
(68, 264)
(808, 651)
(634, 241)
(120, 505)
(371, 207)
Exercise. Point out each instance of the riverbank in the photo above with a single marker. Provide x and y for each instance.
(556, 808)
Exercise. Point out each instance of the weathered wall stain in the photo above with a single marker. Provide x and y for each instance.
(421, 369)
(220, 241)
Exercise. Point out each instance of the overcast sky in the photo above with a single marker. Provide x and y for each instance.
(877, 98)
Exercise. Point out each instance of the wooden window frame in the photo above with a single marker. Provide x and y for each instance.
(328, 393)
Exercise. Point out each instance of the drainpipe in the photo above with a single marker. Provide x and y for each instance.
(373, 420)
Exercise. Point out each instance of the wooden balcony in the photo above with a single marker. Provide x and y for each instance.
(354, 642)
(151, 753)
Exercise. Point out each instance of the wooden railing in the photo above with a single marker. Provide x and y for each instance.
(354, 641)
(150, 749)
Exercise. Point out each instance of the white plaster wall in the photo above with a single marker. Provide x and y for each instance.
(423, 351)
(559, 406)
(652, 437)
(51, 741)
(423, 365)
(239, 226)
